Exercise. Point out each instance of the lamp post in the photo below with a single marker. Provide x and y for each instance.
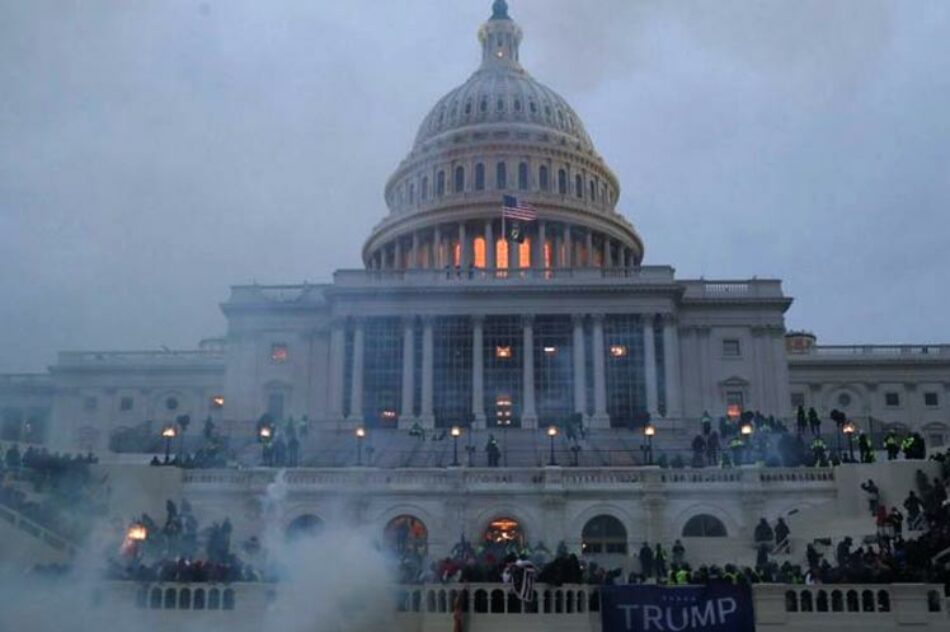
(360, 435)
(649, 431)
(552, 434)
(747, 429)
(168, 433)
(456, 433)
(849, 429)
(265, 434)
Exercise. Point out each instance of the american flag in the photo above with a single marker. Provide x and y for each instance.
(511, 208)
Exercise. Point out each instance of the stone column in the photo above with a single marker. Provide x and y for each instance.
(512, 254)
(490, 246)
(437, 262)
(649, 365)
(427, 418)
(529, 416)
(568, 247)
(337, 368)
(478, 371)
(580, 366)
(356, 380)
(408, 373)
(464, 257)
(590, 249)
(539, 247)
(671, 361)
(608, 253)
(397, 256)
(414, 251)
(600, 419)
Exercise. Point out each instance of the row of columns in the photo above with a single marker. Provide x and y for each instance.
(529, 418)
(613, 253)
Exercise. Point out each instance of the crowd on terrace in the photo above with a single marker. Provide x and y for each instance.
(179, 551)
(56, 491)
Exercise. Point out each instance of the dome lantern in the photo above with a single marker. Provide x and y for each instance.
(500, 38)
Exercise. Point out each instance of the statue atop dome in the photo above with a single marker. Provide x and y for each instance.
(500, 10)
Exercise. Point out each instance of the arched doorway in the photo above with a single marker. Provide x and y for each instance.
(503, 536)
(305, 526)
(407, 535)
(604, 534)
(704, 526)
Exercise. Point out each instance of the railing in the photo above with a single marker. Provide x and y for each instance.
(26, 380)
(520, 478)
(131, 358)
(720, 290)
(884, 351)
(879, 606)
(455, 276)
(33, 529)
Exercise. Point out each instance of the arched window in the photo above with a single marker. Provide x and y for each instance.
(305, 526)
(483, 106)
(425, 188)
(562, 182)
(502, 531)
(604, 534)
(523, 176)
(440, 184)
(501, 176)
(479, 177)
(593, 191)
(579, 186)
(412, 193)
(478, 249)
(406, 534)
(704, 526)
(543, 178)
(524, 253)
(459, 179)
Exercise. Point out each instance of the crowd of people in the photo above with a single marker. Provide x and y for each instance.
(54, 490)
(173, 552)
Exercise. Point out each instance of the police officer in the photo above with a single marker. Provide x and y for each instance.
(819, 451)
(892, 445)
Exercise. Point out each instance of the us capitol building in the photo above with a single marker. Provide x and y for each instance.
(451, 322)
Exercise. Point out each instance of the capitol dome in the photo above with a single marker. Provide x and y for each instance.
(502, 133)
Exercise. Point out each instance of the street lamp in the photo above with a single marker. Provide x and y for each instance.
(849, 429)
(360, 435)
(649, 431)
(168, 433)
(552, 434)
(265, 434)
(746, 430)
(456, 433)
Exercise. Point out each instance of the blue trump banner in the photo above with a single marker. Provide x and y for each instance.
(720, 607)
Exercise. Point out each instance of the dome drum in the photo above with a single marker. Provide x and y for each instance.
(502, 133)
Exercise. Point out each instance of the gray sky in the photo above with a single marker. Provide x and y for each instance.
(154, 152)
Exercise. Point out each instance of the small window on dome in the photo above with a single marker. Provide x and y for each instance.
(501, 105)
(523, 176)
(562, 182)
(459, 179)
(425, 188)
(412, 194)
(440, 184)
(468, 107)
(593, 191)
(517, 105)
(534, 107)
(479, 177)
(543, 180)
(501, 176)
(547, 111)
(483, 106)
(579, 186)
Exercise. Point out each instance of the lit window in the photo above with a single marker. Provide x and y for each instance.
(217, 402)
(931, 399)
(892, 399)
(279, 353)
(618, 351)
(550, 351)
(731, 348)
(503, 352)
(503, 410)
(126, 404)
(524, 253)
(501, 254)
(388, 415)
(478, 248)
(734, 404)
(504, 530)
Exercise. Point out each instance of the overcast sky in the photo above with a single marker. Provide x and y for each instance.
(153, 153)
